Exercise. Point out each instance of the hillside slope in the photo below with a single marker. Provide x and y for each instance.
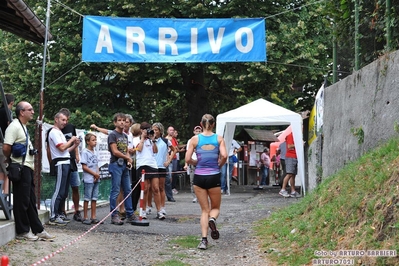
(355, 209)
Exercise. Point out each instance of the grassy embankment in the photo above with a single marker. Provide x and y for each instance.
(356, 209)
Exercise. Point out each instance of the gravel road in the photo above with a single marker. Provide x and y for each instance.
(109, 244)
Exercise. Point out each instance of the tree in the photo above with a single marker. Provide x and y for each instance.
(175, 94)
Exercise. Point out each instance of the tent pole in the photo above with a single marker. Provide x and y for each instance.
(38, 130)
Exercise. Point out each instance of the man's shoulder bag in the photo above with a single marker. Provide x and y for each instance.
(19, 150)
(15, 172)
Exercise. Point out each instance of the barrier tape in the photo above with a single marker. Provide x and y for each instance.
(85, 233)
(95, 226)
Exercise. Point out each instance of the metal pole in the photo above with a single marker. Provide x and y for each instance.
(388, 17)
(38, 131)
(357, 61)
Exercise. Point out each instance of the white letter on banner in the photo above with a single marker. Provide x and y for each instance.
(104, 40)
(135, 35)
(194, 41)
(250, 40)
(163, 40)
(215, 46)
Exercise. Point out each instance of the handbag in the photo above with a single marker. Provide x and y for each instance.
(18, 150)
(15, 172)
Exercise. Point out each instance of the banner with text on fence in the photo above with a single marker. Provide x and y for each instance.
(156, 40)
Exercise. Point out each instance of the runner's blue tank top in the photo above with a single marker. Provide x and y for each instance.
(207, 158)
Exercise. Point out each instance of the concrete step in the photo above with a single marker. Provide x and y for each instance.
(7, 227)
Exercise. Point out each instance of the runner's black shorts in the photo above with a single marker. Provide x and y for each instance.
(207, 181)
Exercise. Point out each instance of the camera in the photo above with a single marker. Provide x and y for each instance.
(150, 132)
(33, 152)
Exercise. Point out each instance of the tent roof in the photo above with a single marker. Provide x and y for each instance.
(259, 112)
(16, 17)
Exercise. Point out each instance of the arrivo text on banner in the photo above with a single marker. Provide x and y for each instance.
(111, 39)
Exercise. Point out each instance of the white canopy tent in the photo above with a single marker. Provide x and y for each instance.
(262, 112)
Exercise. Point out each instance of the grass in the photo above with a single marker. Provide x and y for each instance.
(355, 209)
(171, 263)
(186, 241)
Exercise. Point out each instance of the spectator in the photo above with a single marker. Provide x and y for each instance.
(191, 168)
(27, 223)
(69, 130)
(118, 168)
(128, 123)
(163, 160)
(91, 178)
(60, 166)
(136, 131)
(234, 148)
(172, 167)
(283, 151)
(211, 155)
(291, 164)
(265, 161)
(5, 120)
(145, 160)
(277, 167)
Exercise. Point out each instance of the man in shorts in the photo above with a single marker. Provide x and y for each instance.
(291, 164)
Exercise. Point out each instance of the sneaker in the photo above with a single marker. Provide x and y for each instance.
(131, 219)
(212, 226)
(27, 236)
(172, 200)
(174, 191)
(96, 221)
(86, 221)
(203, 244)
(115, 220)
(148, 210)
(295, 194)
(163, 211)
(77, 216)
(195, 200)
(160, 216)
(64, 217)
(44, 236)
(143, 215)
(122, 215)
(57, 221)
(284, 193)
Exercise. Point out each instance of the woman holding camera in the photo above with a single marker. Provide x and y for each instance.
(145, 160)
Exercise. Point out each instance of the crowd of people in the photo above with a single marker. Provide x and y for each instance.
(135, 149)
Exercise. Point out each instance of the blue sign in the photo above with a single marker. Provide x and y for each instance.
(155, 40)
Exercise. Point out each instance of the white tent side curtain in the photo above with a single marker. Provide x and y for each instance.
(262, 112)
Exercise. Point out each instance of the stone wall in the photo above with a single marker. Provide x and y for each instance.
(360, 112)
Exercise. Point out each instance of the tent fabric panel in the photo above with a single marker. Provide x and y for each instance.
(262, 112)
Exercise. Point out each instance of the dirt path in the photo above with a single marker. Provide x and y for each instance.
(127, 245)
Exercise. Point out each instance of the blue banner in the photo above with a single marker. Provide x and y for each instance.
(155, 40)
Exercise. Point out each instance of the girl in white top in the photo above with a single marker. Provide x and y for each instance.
(145, 160)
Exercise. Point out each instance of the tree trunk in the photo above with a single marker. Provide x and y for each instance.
(196, 96)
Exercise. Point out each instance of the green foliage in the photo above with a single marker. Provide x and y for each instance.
(176, 94)
(355, 209)
(359, 133)
(396, 127)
